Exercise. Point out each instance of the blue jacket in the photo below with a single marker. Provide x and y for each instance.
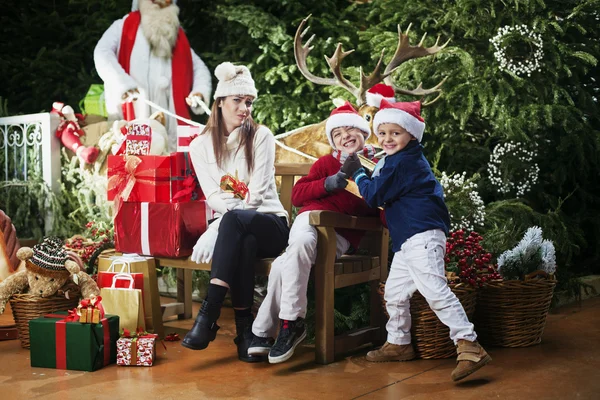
(412, 198)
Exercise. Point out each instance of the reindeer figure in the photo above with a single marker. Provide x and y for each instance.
(308, 143)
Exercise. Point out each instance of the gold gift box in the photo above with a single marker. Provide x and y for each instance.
(89, 315)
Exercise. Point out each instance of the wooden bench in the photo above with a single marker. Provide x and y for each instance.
(330, 273)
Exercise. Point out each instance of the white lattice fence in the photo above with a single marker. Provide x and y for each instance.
(30, 147)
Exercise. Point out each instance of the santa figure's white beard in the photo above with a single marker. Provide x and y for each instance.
(160, 27)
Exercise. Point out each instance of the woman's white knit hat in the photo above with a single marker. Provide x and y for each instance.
(234, 80)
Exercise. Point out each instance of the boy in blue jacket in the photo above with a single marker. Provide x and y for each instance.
(418, 220)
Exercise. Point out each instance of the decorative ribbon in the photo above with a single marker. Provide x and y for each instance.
(61, 337)
(190, 182)
(144, 228)
(172, 337)
(123, 177)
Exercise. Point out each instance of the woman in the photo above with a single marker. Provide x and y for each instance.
(257, 227)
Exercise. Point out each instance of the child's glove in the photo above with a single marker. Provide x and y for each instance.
(352, 166)
(334, 182)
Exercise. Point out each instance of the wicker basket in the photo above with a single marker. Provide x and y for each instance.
(513, 313)
(26, 307)
(431, 338)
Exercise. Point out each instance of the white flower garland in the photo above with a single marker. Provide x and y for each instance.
(528, 169)
(455, 186)
(531, 63)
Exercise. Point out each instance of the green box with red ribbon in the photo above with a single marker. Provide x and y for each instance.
(59, 341)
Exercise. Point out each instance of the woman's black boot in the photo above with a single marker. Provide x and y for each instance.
(243, 328)
(203, 332)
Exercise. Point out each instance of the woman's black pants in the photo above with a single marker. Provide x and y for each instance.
(244, 236)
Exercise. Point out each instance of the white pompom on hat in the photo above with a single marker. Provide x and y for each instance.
(405, 114)
(380, 92)
(135, 6)
(234, 80)
(346, 115)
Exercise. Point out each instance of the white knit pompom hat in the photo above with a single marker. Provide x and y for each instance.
(234, 80)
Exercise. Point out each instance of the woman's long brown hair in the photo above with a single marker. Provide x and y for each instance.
(218, 131)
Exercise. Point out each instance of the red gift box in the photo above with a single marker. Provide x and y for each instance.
(184, 183)
(139, 178)
(185, 135)
(160, 229)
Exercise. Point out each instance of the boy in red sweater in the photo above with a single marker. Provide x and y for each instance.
(322, 189)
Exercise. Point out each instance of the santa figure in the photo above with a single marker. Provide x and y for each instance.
(147, 54)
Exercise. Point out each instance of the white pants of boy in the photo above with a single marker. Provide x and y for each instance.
(419, 265)
(288, 279)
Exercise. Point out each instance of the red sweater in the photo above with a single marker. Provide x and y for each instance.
(309, 193)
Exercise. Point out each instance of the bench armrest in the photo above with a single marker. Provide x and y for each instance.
(337, 220)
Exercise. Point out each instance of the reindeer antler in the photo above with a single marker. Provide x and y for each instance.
(404, 52)
(419, 91)
(335, 62)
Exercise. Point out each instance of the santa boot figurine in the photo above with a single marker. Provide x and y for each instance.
(69, 132)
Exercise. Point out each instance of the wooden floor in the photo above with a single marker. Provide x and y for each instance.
(565, 366)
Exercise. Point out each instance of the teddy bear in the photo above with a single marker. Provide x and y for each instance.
(69, 132)
(48, 271)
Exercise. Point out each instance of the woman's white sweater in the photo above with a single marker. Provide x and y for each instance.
(261, 180)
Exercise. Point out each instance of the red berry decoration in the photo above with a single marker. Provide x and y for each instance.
(466, 260)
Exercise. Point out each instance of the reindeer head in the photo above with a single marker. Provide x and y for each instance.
(404, 52)
(311, 139)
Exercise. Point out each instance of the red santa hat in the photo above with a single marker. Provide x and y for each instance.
(346, 115)
(135, 6)
(405, 114)
(379, 92)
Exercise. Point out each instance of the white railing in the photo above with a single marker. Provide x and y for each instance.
(20, 134)
(30, 146)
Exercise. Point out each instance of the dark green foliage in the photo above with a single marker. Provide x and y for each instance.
(47, 55)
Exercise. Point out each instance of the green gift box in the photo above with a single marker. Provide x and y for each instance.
(59, 342)
(93, 102)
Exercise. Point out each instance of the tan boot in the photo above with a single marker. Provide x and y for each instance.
(471, 357)
(392, 352)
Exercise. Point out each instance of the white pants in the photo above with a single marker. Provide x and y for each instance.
(288, 279)
(419, 265)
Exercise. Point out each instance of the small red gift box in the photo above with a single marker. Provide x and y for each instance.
(139, 350)
(139, 178)
(184, 184)
(185, 135)
(160, 229)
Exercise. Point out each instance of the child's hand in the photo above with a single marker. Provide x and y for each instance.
(334, 182)
(351, 165)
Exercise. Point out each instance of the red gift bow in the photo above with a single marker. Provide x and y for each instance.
(123, 177)
(189, 185)
(91, 303)
(172, 337)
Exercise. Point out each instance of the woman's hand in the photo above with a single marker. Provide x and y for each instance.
(232, 202)
(205, 246)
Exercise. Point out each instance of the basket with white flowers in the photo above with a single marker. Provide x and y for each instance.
(512, 312)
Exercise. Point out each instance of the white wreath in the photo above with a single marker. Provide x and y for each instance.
(531, 63)
(528, 169)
